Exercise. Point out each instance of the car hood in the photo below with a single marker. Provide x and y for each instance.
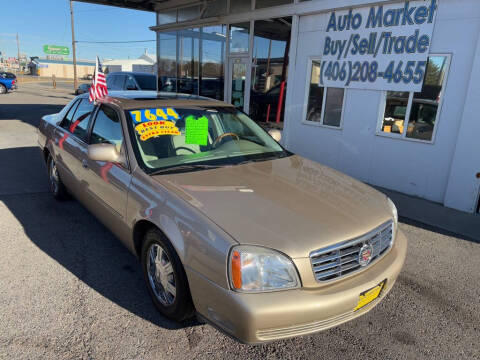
(290, 204)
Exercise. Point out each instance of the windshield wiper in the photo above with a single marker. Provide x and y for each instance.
(184, 168)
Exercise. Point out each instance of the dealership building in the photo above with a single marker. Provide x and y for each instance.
(385, 91)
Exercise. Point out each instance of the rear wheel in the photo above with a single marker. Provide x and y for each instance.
(165, 277)
(3, 89)
(57, 187)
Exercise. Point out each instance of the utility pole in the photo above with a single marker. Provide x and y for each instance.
(75, 84)
(18, 50)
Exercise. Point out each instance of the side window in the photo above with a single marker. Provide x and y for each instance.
(324, 105)
(67, 120)
(79, 124)
(130, 84)
(120, 82)
(107, 128)
(413, 115)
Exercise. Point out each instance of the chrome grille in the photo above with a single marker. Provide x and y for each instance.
(336, 261)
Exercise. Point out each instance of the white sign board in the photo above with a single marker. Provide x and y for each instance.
(383, 47)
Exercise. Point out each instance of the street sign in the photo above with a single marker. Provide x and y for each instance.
(56, 50)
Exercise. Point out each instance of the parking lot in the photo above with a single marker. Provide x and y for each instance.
(70, 290)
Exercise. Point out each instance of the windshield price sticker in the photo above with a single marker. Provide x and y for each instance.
(144, 115)
(151, 129)
(383, 47)
(196, 130)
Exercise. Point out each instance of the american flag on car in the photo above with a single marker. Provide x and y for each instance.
(98, 90)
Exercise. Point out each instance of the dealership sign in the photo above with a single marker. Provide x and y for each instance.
(56, 50)
(383, 47)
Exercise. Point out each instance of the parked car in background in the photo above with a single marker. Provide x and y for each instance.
(8, 75)
(227, 224)
(7, 84)
(83, 88)
(131, 81)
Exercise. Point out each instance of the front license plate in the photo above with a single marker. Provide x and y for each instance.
(368, 296)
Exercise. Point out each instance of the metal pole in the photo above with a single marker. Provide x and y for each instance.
(75, 83)
(18, 50)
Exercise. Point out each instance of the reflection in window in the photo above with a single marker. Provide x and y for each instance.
(420, 108)
(239, 37)
(107, 128)
(188, 61)
(425, 103)
(395, 111)
(167, 61)
(212, 61)
(315, 94)
(269, 69)
(79, 123)
(333, 107)
(324, 105)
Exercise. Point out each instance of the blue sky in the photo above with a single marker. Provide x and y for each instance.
(47, 22)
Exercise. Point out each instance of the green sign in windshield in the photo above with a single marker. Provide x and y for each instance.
(56, 50)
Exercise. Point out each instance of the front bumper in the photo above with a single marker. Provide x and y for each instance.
(261, 317)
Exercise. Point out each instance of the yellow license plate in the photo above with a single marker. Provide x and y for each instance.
(368, 296)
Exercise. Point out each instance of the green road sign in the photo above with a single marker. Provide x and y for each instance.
(56, 50)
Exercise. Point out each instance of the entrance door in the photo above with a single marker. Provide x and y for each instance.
(239, 82)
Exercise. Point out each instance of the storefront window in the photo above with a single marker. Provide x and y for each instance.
(269, 69)
(324, 105)
(188, 61)
(167, 61)
(212, 61)
(395, 111)
(421, 109)
(239, 37)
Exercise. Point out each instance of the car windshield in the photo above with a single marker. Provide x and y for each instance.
(146, 82)
(184, 139)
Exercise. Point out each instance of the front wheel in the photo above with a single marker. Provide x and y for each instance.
(165, 277)
(57, 187)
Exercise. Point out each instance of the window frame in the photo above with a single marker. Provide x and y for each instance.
(320, 123)
(403, 136)
(125, 134)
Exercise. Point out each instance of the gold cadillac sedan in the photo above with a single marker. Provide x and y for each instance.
(228, 225)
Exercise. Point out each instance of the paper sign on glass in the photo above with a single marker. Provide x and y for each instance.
(196, 130)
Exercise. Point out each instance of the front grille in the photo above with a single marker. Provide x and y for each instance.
(336, 261)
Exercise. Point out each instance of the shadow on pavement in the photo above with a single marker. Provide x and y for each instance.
(68, 233)
(28, 113)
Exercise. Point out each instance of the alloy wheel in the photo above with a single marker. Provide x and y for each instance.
(161, 275)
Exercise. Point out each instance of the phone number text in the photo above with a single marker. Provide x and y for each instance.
(368, 71)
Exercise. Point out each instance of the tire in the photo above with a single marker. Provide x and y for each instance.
(3, 89)
(58, 189)
(158, 276)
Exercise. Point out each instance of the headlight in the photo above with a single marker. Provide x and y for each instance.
(394, 211)
(253, 268)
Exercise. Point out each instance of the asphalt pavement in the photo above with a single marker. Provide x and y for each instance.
(70, 290)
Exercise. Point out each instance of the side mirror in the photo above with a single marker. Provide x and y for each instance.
(104, 152)
(275, 134)
(131, 87)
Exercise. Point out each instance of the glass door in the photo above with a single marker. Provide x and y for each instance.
(239, 79)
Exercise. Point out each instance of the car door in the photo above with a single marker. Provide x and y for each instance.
(71, 146)
(108, 183)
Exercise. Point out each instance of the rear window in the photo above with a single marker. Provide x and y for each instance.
(147, 82)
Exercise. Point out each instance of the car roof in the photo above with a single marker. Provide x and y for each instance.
(129, 73)
(143, 99)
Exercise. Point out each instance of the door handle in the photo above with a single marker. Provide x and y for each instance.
(84, 164)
